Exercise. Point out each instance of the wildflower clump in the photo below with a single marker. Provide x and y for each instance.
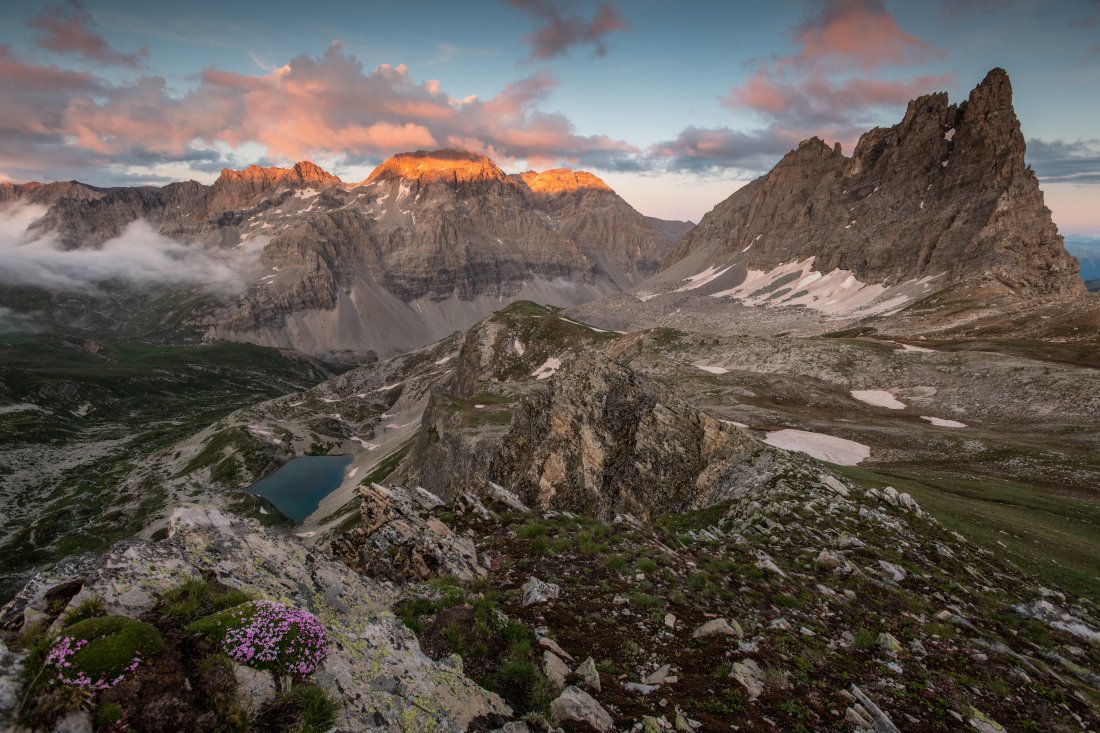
(98, 653)
(268, 635)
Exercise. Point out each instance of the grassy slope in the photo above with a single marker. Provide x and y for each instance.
(1053, 537)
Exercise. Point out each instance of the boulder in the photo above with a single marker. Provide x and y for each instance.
(576, 705)
(751, 677)
(589, 675)
(718, 627)
(556, 670)
(537, 591)
(401, 540)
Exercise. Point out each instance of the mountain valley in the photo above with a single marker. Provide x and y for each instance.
(825, 461)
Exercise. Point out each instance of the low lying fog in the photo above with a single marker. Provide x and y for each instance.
(139, 256)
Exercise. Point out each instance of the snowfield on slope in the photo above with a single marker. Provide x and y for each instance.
(878, 398)
(943, 422)
(548, 368)
(841, 451)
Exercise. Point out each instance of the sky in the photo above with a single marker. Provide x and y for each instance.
(674, 104)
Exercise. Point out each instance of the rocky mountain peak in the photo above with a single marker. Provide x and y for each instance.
(438, 166)
(945, 196)
(48, 193)
(237, 189)
(562, 180)
(303, 173)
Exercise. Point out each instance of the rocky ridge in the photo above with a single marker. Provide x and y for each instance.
(602, 441)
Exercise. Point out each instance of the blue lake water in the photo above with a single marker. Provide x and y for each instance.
(298, 487)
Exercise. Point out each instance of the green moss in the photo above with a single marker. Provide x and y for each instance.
(113, 643)
(216, 625)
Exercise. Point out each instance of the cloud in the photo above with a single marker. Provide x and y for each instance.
(70, 29)
(16, 322)
(834, 84)
(701, 149)
(559, 30)
(327, 106)
(138, 256)
(1057, 161)
(815, 102)
(825, 82)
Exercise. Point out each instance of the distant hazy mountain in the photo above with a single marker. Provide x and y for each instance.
(1087, 252)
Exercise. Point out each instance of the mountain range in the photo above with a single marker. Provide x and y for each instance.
(428, 244)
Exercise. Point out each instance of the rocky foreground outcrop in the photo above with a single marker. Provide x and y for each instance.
(400, 540)
(375, 666)
(945, 193)
(809, 603)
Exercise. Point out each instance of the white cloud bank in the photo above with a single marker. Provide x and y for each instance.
(139, 256)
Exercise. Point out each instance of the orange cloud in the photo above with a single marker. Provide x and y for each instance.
(327, 106)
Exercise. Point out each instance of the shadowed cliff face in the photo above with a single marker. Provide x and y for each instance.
(945, 192)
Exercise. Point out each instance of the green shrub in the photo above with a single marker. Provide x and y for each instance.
(311, 708)
(86, 609)
(186, 599)
(108, 714)
(865, 639)
(615, 562)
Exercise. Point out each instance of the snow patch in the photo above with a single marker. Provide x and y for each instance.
(909, 348)
(548, 368)
(704, 277)
(21, 407)
(517, 345)
(878, 398)
(365, 444)
(942, 422)
(388, 387)
(583, 325)
(267, 434)
(837, 292)
(822, 447)
(444, 360)
(711, 369)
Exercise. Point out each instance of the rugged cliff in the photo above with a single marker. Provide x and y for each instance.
(429, 244)
(943, 194)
